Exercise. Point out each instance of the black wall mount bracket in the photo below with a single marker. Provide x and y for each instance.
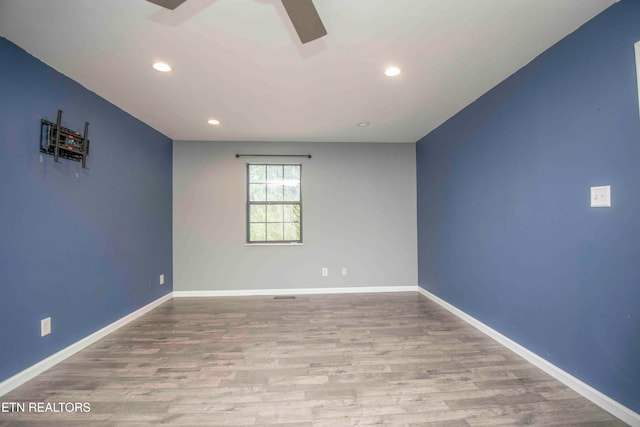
(59, 141)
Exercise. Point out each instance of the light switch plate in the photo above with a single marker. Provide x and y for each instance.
(601, 196)
(45, 326)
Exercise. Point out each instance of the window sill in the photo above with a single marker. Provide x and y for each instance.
(274, 244)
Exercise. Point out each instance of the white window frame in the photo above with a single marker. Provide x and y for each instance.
(249, 203)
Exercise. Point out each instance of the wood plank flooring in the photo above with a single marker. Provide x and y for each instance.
(319, 360)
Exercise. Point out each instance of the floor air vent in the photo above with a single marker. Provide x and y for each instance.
(284, 297)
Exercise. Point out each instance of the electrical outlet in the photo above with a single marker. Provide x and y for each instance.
(162, 279)
(45, 326)
(325, 271)
(343, 271)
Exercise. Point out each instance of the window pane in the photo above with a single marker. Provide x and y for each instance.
(275, 193)
(257, 192)
(291, 213)
(257, 232)
(292, 193)
(274, 174)
(291, 231)
(274, 213)
(292, 173)
(257, 173)
(274, 231)
(257, 213)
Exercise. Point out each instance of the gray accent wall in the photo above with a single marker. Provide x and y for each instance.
(359, 212)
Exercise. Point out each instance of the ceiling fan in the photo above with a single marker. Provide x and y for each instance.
(302, 13)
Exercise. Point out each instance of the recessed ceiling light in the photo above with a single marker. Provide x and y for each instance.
(362, 124)
(161, 66)
(213, 122)
(392, 71)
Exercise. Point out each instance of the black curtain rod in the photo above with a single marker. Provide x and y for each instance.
(273, 155)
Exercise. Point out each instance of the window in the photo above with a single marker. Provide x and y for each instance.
(274, 204)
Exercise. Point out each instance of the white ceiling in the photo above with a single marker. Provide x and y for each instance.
(240, 61)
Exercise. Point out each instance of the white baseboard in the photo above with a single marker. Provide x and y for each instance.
(298, 291)
(22, 377)
(625, 414)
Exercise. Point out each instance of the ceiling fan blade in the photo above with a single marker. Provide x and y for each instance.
(169, 4)
(305, 19)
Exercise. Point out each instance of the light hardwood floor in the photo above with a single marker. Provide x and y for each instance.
(321, 360)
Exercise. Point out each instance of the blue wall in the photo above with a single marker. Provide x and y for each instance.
(85, 250)
(505, 230)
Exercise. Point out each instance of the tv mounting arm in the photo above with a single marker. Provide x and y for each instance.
(62, 142)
